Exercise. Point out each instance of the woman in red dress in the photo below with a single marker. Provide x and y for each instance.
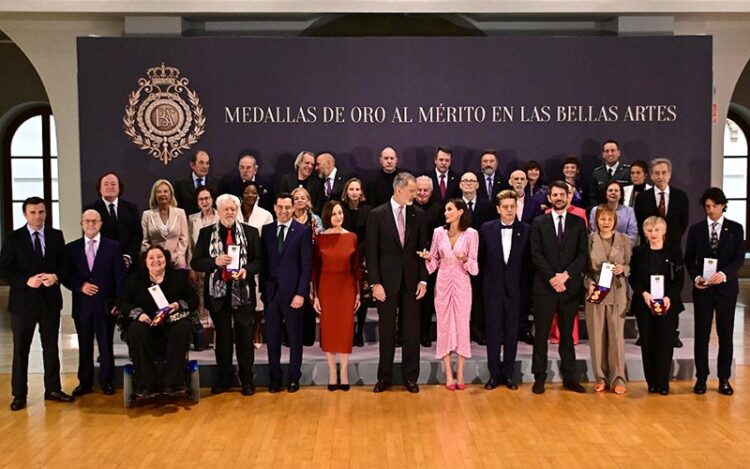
(336, 291)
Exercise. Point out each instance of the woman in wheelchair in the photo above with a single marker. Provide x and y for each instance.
(151, 329)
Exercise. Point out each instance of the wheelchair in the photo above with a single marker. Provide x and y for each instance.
(129, 375)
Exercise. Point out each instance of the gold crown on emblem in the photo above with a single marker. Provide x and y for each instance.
(163, 75)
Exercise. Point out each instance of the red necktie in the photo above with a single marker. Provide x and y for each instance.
(225, 275)
(442, 186)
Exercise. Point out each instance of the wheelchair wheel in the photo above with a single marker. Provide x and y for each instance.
(128, 390)
(195, 381)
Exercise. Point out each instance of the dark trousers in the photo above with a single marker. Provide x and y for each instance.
(360, 319)
(427, 308)
(545, 306)
(657, 346)
(706, 302)
(146, 344)
(280, 315)
(409, 313)
(234, 330)
(501, 331)
(23, 326)
(524, 323)
(477, 311)
(97, 325)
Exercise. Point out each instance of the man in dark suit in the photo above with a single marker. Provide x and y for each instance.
(95, 279)
(247, 170)
(230, 294)
(380, 189)
(491, 181)
(667, 202)
(444, 180)
(121, 220)
(184, 189)
(396, 231)
(527, 209)
(612, 170)
(33, 262)
(333, 178)
(503, 257)
(559, 252)
(664, 201)
(285, 283)
(723, 241)
(304, 167)
(481, 211)
(434, 215)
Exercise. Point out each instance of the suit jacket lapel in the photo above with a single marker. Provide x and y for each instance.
(391, 223)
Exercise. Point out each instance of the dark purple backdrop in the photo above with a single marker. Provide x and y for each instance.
(413, 72)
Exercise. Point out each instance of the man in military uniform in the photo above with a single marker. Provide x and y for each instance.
(612, 169)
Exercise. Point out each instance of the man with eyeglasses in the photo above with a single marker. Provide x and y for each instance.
(247, 170)
(95, 280)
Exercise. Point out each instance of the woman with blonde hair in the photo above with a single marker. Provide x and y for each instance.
(165, 225)
(609, 250)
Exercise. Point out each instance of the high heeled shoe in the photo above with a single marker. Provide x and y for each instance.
(450, 387)
(460, 386)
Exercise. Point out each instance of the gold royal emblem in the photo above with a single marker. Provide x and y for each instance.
(163, 122)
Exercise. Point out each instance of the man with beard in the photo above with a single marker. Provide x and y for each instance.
(304, 166)
(491, 182)
(559, 252)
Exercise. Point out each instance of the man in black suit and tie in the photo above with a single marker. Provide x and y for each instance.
(229, 291)
(33, 263)
(333, 179)
(481, 211)
(559, 252)
(434, 215)
(395, 232)
(285, 283)
(664, 201)
(380, 189)
(444, 179)
(95, 279)
(304, 167)
(247, 170)
(667, 202)
(527, 209)
(503, 258)
(184, 189)
(121, 220)
(719, 242)
(491, 182)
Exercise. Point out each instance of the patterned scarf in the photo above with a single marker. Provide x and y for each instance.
(217, 287)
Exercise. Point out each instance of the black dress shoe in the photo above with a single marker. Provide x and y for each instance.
(359, 341)
(81, 391)
(510, 384)
(293, 386)
(273, 387)
(700, 387)
(333, 387)
(344, 387)
(381, 386)
(219, 388)
(107, 389)
(426, 342)
(538, 387)
(574, 386)
(652, 389)
(491, 384)
(412, 387)
(18, 403)
(725, 388)
(677, 341)
(248, 390)
(527, 338)
(58, 396)
(664, 391)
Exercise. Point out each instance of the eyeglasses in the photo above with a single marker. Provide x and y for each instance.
(469, 180)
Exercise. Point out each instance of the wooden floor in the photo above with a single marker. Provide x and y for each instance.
(433, 429)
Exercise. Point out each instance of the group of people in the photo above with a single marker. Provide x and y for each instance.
(479, 252)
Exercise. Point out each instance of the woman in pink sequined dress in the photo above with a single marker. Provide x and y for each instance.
(453, 254)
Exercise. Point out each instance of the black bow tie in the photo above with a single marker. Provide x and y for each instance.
(506, 227)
